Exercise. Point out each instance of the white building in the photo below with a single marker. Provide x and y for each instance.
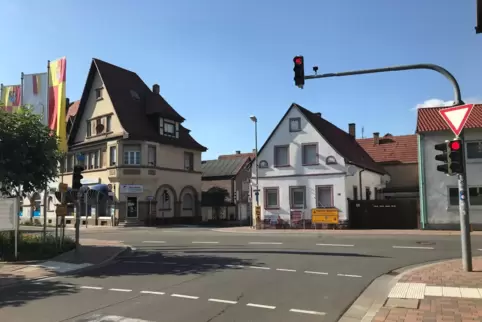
(307, 162)
(439, 194)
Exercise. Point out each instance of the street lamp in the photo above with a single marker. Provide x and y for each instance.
(255, 120)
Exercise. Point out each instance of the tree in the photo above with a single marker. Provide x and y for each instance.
(29, 155)
(215, 198)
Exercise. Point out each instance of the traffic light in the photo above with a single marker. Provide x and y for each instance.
(456, 156)
(299, 70)
(77, 176)
(444, 157)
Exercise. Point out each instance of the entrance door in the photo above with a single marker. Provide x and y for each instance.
(131, 207)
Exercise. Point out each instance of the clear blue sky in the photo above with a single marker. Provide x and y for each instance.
(218, 61)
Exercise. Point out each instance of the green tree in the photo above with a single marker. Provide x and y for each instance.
(29, 155)
(215, 198)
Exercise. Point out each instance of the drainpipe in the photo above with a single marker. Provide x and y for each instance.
(360, 180)
(421, 181)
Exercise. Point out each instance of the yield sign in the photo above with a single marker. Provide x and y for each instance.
(456, 117)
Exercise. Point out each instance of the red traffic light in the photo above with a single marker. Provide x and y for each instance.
(298, 60)
(455, 145)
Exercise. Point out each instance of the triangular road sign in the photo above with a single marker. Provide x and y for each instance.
(456, 117)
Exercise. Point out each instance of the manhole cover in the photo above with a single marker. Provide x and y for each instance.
(425, 243)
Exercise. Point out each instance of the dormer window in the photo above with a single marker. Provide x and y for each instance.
(169, 128)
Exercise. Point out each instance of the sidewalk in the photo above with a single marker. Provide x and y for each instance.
(92, 253)
(435, 292)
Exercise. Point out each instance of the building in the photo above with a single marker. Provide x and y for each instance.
(233, 173)
(399, 157)
(439, 195)
(134, 142)
(307, 162)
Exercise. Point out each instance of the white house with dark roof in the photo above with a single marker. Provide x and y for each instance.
(307, 162)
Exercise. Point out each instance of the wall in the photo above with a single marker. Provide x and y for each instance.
(439, 213)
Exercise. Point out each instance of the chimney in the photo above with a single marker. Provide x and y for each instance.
(238, 152)
(376, 138)
(352, 129)
(318, 114)
(254, 151)
(156, 89)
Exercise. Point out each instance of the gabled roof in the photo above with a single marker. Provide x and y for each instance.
(342, 142)
(72, 111)
(392, 149)
(134, 104)
(430, 120)
(223, 167)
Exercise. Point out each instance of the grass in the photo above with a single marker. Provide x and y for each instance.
(31, 246)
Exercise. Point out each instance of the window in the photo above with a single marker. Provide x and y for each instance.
(187, 202)
(281, 156)
(330, 160)
(151, 155)
(99, 127)
(295, 124)
(454, 196)
(355, 193)
(108, 123)
(132, 155)
(113, 155)
(165, 201)
(474, 150)
(93, 161)
(475, 196)
(297, 197)
(70, 162)
(263, 164)
(169, 128)
(188, 161)
(89, 128)
(324, 196)
(98, 93)
(368, 193)
(50, 204)
(310, 154)
(271, 200)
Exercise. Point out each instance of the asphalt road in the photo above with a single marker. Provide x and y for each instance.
(199, 275)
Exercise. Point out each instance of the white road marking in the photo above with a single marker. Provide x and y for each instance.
(91, 287)
(335, 245)
(348, 275)
(261, 306)
(68, 285)
(259, 267)
(139, 262)
(412, 247)
(235, 266)
(205, 242)
(265, 243)
(222, 301)
(316, 273)
(171, 231)
(286, 270)
(154, 242)
(120, 290)
(103, 318)
(185, 296)
(307, 312)
(153, 292)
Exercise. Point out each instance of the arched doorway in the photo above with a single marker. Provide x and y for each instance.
(166, 202)
(188, 201)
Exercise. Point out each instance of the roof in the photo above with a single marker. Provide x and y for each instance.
(72, 111)
(250, 155)
(135, 115)
(342, 142)
(429, 119)
(222, 167)
(392, 149)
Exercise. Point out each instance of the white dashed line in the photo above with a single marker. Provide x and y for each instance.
(91, 287)
(222, 301)
(185, 296)
(348, 275)
(286, 270)
(265, 243)
(259, 267)
(234, 266)
(119, 290)
(205, 242)
(153, 292)
(316, 273)
(412, 247)
(171, 231)
(335, 245)
(154, 242)
(68, 285)
(307, 312)
(261, 306)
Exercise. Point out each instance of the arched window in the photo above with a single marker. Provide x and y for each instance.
(187, 202)
(263, 164)
(50, 204)
(330, 160)
(165, 200)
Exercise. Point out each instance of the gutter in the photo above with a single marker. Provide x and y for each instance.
(421, 181)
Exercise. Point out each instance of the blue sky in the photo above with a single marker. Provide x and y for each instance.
(219, 61)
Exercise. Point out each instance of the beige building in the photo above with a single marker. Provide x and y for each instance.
(134, 141)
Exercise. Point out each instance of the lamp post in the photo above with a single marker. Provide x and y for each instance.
(256, 191)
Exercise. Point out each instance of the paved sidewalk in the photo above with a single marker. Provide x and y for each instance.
(92, 252)
(436, 292)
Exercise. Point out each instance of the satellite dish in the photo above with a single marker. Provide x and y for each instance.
(99, 128)
(351, 170)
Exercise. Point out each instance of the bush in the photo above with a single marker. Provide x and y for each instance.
(32, 247)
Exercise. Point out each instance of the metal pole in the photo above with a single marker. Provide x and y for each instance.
(77, 220)
(464, 217)
(45, 215)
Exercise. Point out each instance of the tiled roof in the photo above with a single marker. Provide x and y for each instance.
(392, 149)
(222, 167)
(429, 119)
(134, 104)
(72, 111)
(237, 155)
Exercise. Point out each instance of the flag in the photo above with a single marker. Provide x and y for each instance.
(10, 97)
(35, 94)
(57, 100)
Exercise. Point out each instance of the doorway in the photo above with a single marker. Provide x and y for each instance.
(131, 207)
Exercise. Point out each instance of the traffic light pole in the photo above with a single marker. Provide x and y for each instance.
(463, 205)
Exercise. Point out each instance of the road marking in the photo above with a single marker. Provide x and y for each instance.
(261, 306)
(348, 275)
(205, 242)
(335, 245)
(286, 270)
(139, 262)
(152, 292)
(307, 312)
(120, 290)
(91, 287)
(265, 243)
(68, 285)
(185, 296)
(222, 301)
(259, 267)
(171, 231)
(412, 247)
(234, 266)
(316, 273)
(154, 242)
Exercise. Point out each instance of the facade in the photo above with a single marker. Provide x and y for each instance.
(398, 156)
(439, 195)
(133, 141)
(307, 162)
(233, 173)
